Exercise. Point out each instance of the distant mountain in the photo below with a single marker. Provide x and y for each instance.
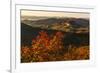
(28, 33)
(77, 25)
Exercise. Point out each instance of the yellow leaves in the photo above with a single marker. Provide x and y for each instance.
(49, 42)
(79, 53)
(49, 47)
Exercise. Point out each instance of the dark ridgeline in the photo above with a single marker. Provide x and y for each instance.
(28, 32)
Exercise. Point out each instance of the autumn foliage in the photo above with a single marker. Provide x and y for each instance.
(46, 47)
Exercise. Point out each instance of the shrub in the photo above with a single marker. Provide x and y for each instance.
(50, 48)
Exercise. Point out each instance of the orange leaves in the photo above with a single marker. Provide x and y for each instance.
(25, 54)
(25, 50)
(82, 52)
(59, 35)
(41, 41)
(44, 41)
(49, 47)
(79, 53)
(43, 48)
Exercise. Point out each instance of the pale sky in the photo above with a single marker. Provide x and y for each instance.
(53, 14)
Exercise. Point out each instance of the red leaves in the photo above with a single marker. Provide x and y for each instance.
(59, 34)
(49, 47)
(44, 41)
(25, 54)
(41, 41)
(43, 46)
